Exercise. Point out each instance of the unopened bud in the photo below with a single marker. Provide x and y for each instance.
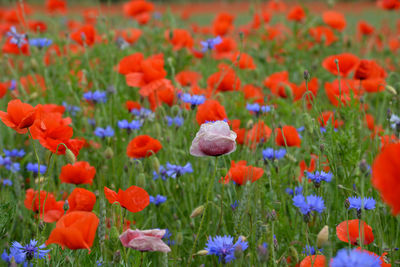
(156, 164)
(197, 211)
(202, 252)
(66, 205)
(306, 75)
(262, 251)
(117, 257)
(323, 237)
(293, 254)
(114, 235)
(108, 153)
(175, 110)
(70, 156)
(141, 180)
(391, 89)
(179, 238)
(158, 130)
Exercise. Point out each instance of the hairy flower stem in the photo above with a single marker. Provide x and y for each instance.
(38, 161)
(210, 186)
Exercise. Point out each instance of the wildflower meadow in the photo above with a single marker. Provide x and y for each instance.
(214, 133)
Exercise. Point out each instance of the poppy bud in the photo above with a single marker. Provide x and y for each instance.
(249, 123)
(202, 252)
(179, 238)
(70, 156)
(141, 180)
(158, 131)
(117, 257)
(323, 236)
(34, 63)
(197, 211)
(175, 110)
(114, 235)
(391, 89)
(108, 153)
(309, 123)
(66, 205)
(156, 164)
(306, 75)
(293, 254)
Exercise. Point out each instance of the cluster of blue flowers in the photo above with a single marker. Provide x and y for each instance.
(14, 153)
(104, 132)
(16, 38)
(319, 176)
(310, 250)
(309, 203)
(133, 125)
(355, 257)
(25, 254)
(167, 238)
(96, 96)
(40, 42)
(364, 203)
(210, 44)
(33, 167)
(177, 121)
(271, 154)
(172, 171)
(143, 114)
(297, 190)
(256, 108)
(193, 100)
(9, 165)
(224, 248)
(158, 200)
(71, 109)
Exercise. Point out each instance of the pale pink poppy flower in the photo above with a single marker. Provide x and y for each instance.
(146, 240)
(213, 139)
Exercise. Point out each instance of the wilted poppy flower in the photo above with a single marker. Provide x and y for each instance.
(334, 19)
(78, 173)
(144, 240)
(75, 230)
(133, 199)
(385, 175)
(313, 261)
(213, 139)
(210, 110)
(19, 116)
(81, 199)
(240, 173)
(348, 231)
(287, 136)
(296, 14)
(84, 35)
(143, 146)
(49, 209)
(346, 61)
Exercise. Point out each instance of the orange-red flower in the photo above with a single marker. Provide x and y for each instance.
(133, 199)
(37, 26)
(313, 261)
(347, 63)
(240, 173)
(188, 78)
(389, 4)
(322, 33)
(81, 199)
(348, 231)
(140, 10)
(49, 209)
(79, 173)
(179, 38)
(225, 48)
(143, 146)
(11, 48)
(19, 116)
(129, 105)
(210, 110)
(365, 28)
(287, 136)
(328, 117)
(56, 6)
(245, 61)
(259, 133)
(296, 14)
(84, 35)
(130, 35)
(222, 24)
(131, 63)
(342, 92)
(369, 69)
(385, 175)
(224, 80)
(75, 230)
(334, 19)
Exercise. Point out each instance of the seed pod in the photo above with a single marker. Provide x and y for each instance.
(391, 89)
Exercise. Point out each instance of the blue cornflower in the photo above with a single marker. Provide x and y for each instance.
(178, 121)
(91, 121)
(104, 132)
(143, 113)
(174, 171)
(5, 161)
(33, 167)
(9, 165)
(253, 107)
(355, 257)
(394, 120)
(162, 173)
(224, 248)
(16, 38)
(358, 203)
(194, 100)
(210, 43)
(311, 203)
(7, 182)
(309, 250)
(133, 125)
(270, 153)
(96, 96)
(13, 85)
(235, 205)
(71, 109)
(15, 153)
(167, 237)
(40, 42)
(319, 176)
(158, 200)
(297, 190)
(31, 250)
(14, 253)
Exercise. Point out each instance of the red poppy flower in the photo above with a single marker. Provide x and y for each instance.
(188, 78)
(322, 33)
(143, 146)
(79, 173)
(151, 70)
(224, 80)
(347, 63)
(49, 209)
(210, 110)
(287, 136)
(385, 175)
(179, 38)
(84, 35)
(296, 14)
(133, 199)
(342, 93)
(240, 173)
(365, 28)
(81, 199)
(348, 231)
(56, 6)
(369, 69)
(75, 230)
(389, 4)
(334, 19)
(222, 24)
(163, 94)
(37, 26)
(328, 117)
(129, 35)
(312, 166)
(279, 83)
(313, 87)
(245, 61)
(51, 54)
(129, 105)
(33, 82)
(131, 63)
(19, 116)
(4, 89)
(254, 93)
(140, 10)
(259, 133)
(313, 261)
(11, 48)
(373, 85)
(225, 48)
